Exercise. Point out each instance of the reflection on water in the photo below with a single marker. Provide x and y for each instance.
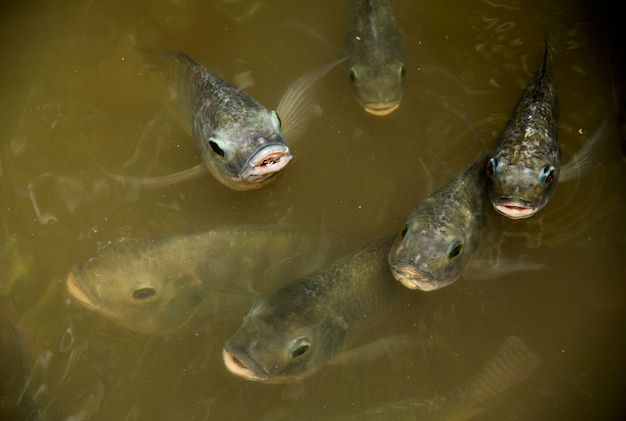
(75, 103)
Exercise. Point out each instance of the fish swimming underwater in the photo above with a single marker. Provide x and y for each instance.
(525, 167)
(442, 233)
(512, 363)
(159, 285)
(299, 328)
(241, 142)
(375, 48)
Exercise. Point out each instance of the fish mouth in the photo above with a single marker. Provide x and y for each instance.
(413, 278)
(240, 365)
(266, 161)
(79, 293)
(381, 109)
(515, 209)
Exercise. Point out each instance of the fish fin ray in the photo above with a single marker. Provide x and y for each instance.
(581, 161)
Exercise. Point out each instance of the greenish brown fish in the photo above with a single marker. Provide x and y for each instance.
(512, 363)
(299, 328)
(158, 285)
(525, 167)
(375, 50)
(241, 142)
(442, 233)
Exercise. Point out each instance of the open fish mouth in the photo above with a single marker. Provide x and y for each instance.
(240, 366)
(267, 161)
(413, 278)
(77, 292)
(515, 209)
(381, 109)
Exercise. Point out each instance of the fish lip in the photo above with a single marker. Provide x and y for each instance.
(80, 291)
(267, 160)
(514, 208)
(413, 278)
(381, 109)
(239, 363)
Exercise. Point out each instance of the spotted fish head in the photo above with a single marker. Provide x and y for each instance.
(520, 189)
(429, 259)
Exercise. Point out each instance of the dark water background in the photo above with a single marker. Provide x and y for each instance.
(74, 101)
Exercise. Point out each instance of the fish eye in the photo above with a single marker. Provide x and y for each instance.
(143, 293)
(455, 249)
(276, 121)
(215, 147)
(404, 230)
(547, 174)
(402, 71)
(492, 167)
(299, 347)
(353, 75)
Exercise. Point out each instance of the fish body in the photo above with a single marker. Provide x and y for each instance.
(241, 142)
(442, 233)
(156, 286)
(512, 363)
(525, 167)
(375, 48)
(299, 328)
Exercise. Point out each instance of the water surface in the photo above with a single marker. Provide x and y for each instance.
(76, 102)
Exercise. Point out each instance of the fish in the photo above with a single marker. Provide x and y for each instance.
(156, 286)
(442, 233)
(524, 169)
(298, 329)
(512, 363)
(375, 47)
(242, 143)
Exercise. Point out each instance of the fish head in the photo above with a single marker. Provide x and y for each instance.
(431, 253)
(378, 88)
(247, 153)
(281, 345)
(519, 189)
(135, 292)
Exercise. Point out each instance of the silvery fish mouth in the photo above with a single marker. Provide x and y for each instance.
(381, 109)
(79, 293)
(267, 161)
(515, 209)
(412, 278)
(240, 366)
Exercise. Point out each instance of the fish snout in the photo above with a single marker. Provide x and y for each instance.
(77, 292)
(514, 209)
(412, 277)
(267, 160)
(239, 364)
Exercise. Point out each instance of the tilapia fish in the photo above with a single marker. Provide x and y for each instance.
(525, 167)
(240, 140)
(156, 286)
(299, 328)
(512, 363)
(376, 59)
(442, 233)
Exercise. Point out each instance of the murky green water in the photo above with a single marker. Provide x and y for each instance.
(74, 102)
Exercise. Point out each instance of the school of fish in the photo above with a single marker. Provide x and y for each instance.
(305, 310)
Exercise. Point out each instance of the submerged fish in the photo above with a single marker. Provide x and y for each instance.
(525, 167)
(442, 233)
(512, 363)
(157, 286)
(375, 48)
(241, 142)
(299, 328)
